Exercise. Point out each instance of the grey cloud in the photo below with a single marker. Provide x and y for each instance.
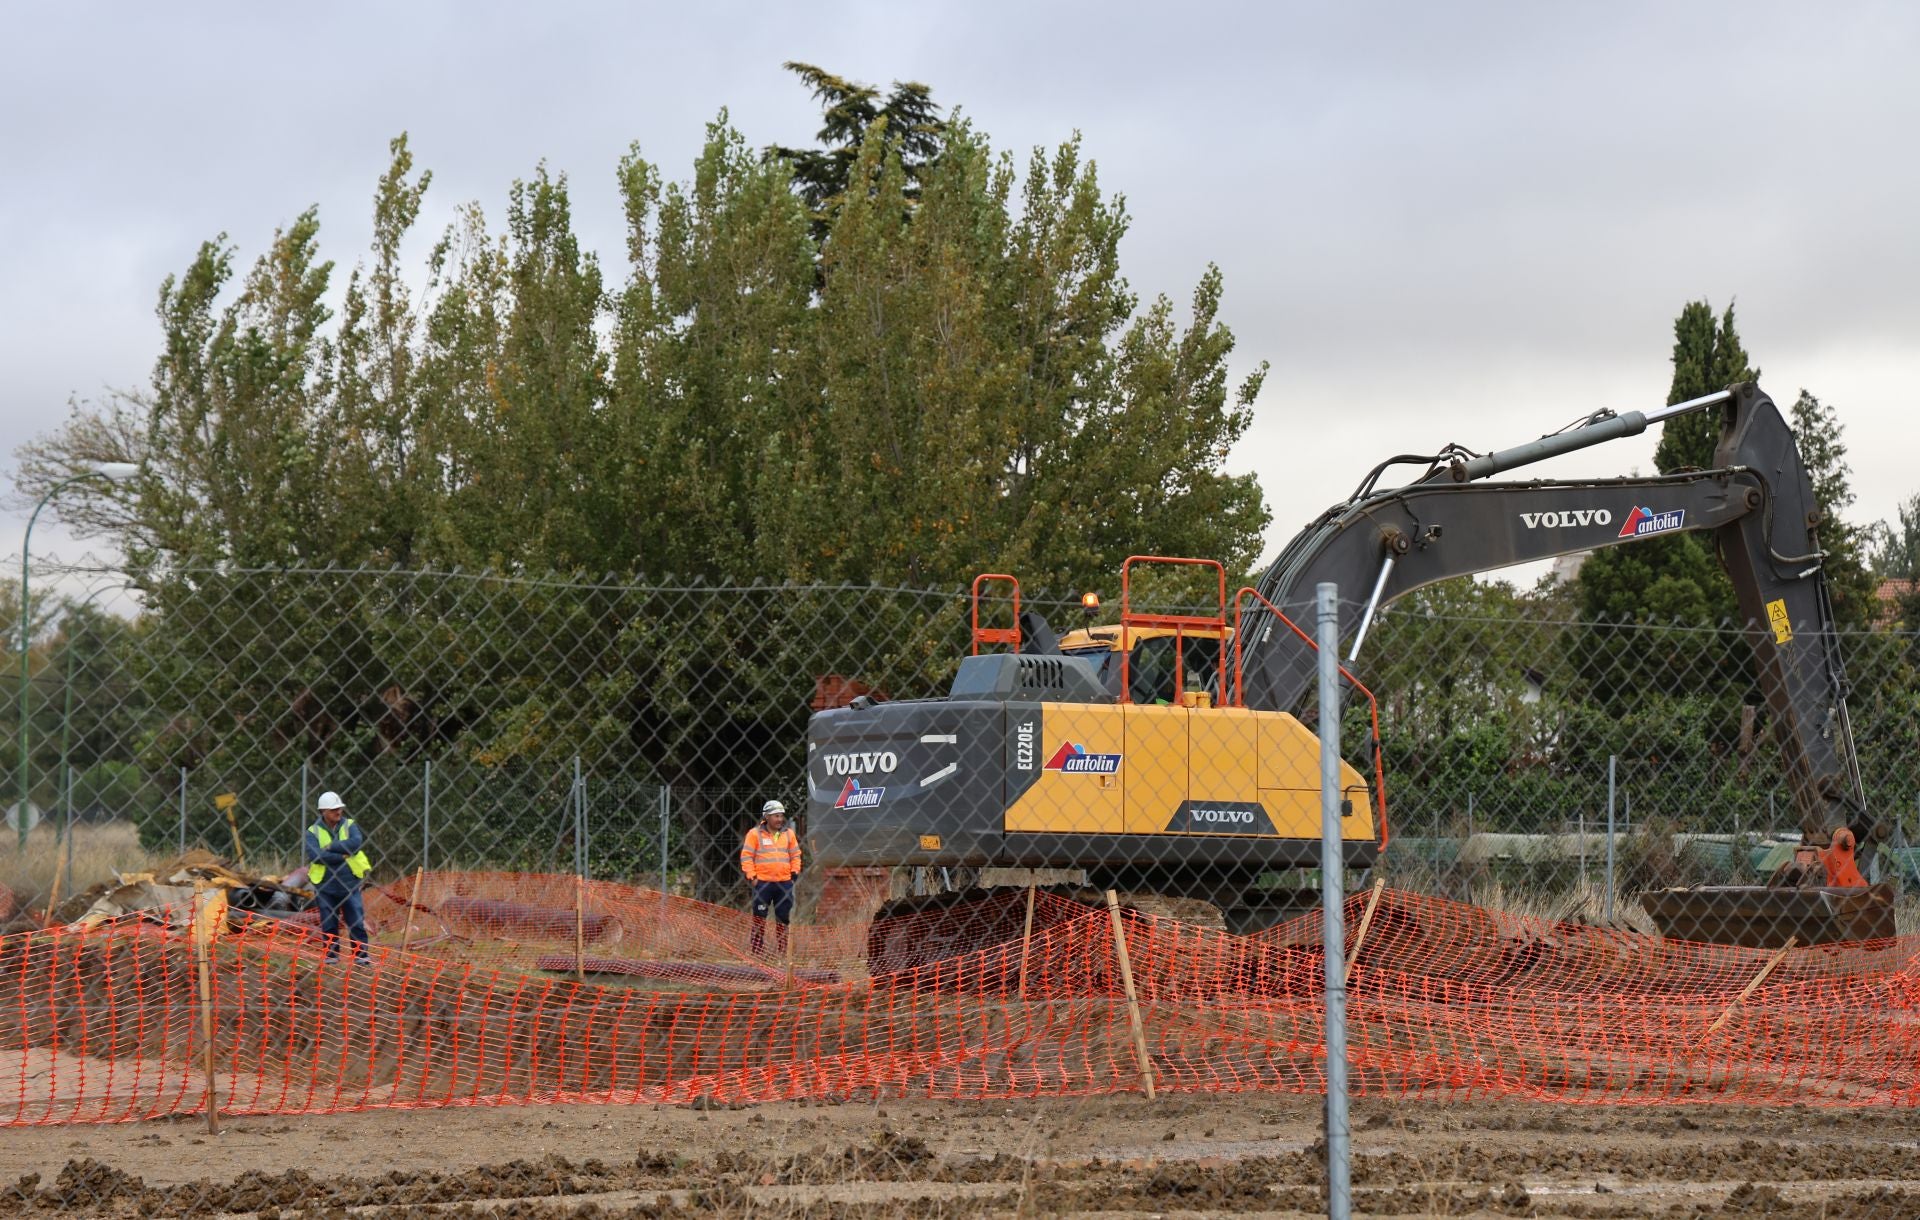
(1461, 221)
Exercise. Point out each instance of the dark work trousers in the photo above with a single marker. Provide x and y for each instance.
(336, 908)
(775, 897)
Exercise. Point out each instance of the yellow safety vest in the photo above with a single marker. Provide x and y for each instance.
(357, 863)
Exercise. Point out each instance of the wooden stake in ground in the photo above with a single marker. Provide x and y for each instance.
(1779, 956)
(413, 904)
(59, 871)
(202, 934)
(1366, 920)
(1133, 1000)
(1026, 941)
(579, 928)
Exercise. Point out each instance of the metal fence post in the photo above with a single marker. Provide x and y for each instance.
(1607, 902)
(579, 817)
(183, 811)
(300, 816)
(1333, 933)
(426, 809)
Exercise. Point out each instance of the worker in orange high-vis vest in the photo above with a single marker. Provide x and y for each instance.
(770, 857)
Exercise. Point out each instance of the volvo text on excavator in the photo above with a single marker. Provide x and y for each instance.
(1164, 753)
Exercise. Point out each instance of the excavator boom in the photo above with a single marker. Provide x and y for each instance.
(1756, 503)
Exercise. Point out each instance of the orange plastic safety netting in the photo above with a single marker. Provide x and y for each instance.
(1444, 999)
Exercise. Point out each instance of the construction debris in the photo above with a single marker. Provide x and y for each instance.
(165, 893)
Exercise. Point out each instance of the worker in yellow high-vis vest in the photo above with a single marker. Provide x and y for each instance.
(337, 865)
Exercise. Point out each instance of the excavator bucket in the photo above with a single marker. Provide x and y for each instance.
(1763, 917)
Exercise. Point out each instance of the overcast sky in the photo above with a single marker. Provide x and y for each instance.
(1438, 222)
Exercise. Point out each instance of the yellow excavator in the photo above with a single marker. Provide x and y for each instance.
(1163, 754)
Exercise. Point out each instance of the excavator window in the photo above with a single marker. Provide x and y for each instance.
(1152, 672)
(1200, 666)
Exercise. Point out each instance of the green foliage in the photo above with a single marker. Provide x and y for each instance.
(1707, 356)
(1817, 432)
(1656, 580)
(108, 790)
(1896, 544)
(784, 379)
(908, 121)
(975, 388)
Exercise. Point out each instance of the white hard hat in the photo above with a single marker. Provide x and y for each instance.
(772, 807)
(331, 800)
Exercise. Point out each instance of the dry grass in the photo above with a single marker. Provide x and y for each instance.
(99, 851)
(1584, 902)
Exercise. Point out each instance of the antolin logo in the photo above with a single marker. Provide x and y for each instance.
(1073, 759)
(853, 796)
(1567, 518)
(1643, 521)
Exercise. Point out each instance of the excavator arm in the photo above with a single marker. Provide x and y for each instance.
(1756, 502)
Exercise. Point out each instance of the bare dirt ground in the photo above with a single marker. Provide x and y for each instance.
(1121, 1156)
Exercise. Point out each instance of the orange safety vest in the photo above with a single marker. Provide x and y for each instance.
(770, 855)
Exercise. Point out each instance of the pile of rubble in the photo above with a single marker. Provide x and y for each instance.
(165, 893)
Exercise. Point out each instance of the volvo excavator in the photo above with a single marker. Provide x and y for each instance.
(1164, 754)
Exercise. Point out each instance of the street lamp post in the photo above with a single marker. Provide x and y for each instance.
(96, 470)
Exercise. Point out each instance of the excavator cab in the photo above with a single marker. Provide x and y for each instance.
(1145, 658)
(1162, 667)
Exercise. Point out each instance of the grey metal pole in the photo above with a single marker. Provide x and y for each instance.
(426, 810)
(183, 811)
(1332, 900)
(579, 837)
(666, 799)
(1607, 903)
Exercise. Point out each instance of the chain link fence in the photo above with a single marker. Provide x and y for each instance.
(631, 731)
(555, 777)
